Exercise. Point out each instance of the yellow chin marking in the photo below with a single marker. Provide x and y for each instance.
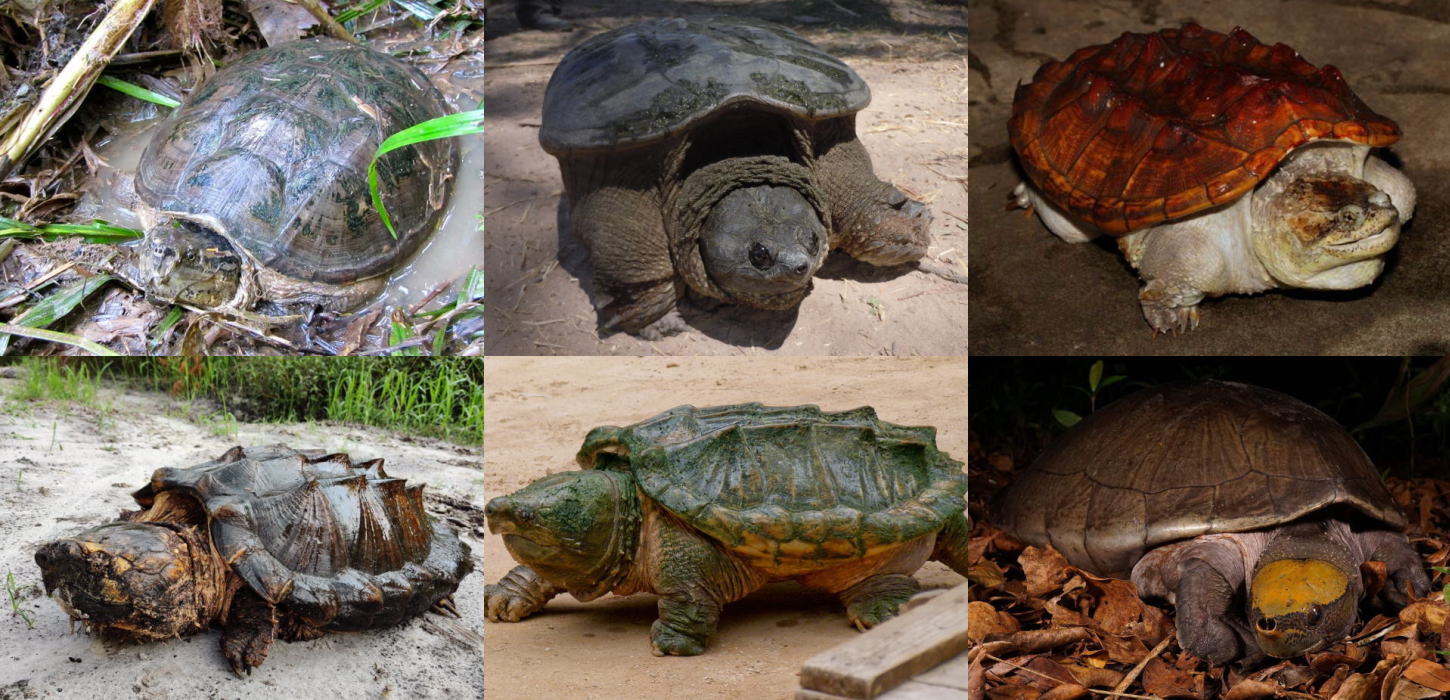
(1292, 585)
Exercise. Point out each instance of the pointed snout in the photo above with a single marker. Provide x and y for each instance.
(503, 515)
(54, 558)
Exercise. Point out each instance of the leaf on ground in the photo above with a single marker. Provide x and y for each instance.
(1045, 569)
(984, 621)
(1168, 681)
(1249, 689)
(1429, 674)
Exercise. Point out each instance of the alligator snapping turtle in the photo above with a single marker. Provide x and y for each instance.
(266, 542)
(1222, 165)
(256, 188)
(718, 156)
(701, 506)
(1213, 495)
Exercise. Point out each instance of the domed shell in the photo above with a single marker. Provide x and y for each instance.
(644, 81)
(1183, 460)
(346, 546)
(275, 149)
(1153, 127)
(788, 484)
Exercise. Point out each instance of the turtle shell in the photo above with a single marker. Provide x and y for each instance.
(645, 81)
(1153, 127)
(345, 546)
(788, 484)
(1183, 460)
(274, 151)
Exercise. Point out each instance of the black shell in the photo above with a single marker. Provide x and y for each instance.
(347, 547)
(276, 148)
(1183, 460)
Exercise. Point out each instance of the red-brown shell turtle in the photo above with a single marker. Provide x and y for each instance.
(1213, 495)
(256, 188)
(266, 542)
(1223, 165)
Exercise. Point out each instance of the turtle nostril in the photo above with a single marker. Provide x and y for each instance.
(1267, 624)
(800, 269)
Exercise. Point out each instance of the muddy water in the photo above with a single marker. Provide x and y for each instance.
(453, 249)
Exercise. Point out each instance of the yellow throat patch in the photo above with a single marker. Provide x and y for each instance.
(1292, 585)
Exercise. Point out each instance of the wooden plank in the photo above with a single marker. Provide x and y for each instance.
(916, 690)
(890, 654)
(950, 674)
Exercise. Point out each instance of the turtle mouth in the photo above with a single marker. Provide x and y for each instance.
(1377, 243)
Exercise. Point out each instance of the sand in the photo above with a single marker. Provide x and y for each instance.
(539, 411)
(66, 467)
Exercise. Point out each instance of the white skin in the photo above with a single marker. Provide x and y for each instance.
(1278, 235)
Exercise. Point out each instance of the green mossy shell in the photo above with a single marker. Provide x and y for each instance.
(347, 547)
(642, 82)
(276, 148)
(788, 482)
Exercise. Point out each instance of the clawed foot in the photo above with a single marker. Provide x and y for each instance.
(1170, 308)
(670, 324)
(446, 606)
(519, 594)
(878, 599)
(668, 641)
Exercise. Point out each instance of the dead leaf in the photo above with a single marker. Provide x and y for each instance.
(1066, 691)
(1164, 680)
(1429, 674)
(1045, 570)
(1249, 689)
(984, 621)
(1095, 677)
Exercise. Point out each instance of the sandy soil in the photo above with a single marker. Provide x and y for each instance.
(539, 411)
(913, 55)
(1033, 293)
(69, 468)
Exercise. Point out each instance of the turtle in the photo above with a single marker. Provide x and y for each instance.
(1221, 165)
(1247, 509)
(267, 542)
(256, 189)
(720, 157)
(702, 506)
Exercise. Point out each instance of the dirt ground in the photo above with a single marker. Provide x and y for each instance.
(913, 55)
(1032, 293)
(67, 468)
(540, 410)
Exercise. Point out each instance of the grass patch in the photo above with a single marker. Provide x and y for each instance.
(45, 379)
(13, 591)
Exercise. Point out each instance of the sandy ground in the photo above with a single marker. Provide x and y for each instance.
(1033, 293)
(539, 411)
(913, 55)
(67, 468)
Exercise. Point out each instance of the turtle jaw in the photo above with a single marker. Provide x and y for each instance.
(187, 262)
(140, 580)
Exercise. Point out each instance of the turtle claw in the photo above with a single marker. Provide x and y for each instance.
(446, 606)
(1170, 308)
(878, 599)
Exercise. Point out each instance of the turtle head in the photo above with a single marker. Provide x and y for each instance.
(187, 262)
(578, 530)
(763, 242)
(142, 580)
(1328, 232)
(1298, 605)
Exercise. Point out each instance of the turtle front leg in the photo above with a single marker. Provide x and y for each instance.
(519, 594)
(1180, 265)
(878, 598)
(1406, 569)
(951, 543)
(1203, 605)
(694, 579)
(250, 630)
(1170, 307)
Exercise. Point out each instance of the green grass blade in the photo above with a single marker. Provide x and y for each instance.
(95, 232)
(420, 9)
(55, 337)
(460, 124)
(358, 10)
(137, 91)
(55, 307)
(173, 316)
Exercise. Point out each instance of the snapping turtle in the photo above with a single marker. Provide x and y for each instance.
(704, 505)
(1215, 494)
(1222, 165)
(718, 156)
(266, 542)
(256, 188)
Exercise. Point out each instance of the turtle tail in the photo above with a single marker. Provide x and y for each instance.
(951, 543)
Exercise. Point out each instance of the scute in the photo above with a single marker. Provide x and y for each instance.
(346, 545)
(640, 83)
(276, 148)
(1153, 127)
(1183, 460)
(787, 482)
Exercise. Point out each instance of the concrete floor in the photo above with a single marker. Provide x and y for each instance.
(1034, 294)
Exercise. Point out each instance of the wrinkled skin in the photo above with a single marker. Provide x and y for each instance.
(142, 580)
(183, 262)
(763, 241)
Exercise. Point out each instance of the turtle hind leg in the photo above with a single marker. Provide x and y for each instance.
(250, 630)
(878, 598)
(519, 594)
(951, 544)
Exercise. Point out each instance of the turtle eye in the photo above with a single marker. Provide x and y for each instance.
(1316, 614)
(760, 256)
(1352, 214)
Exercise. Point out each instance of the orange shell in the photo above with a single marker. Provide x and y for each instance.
(1153, 127)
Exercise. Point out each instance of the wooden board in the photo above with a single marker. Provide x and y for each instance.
(890, 654)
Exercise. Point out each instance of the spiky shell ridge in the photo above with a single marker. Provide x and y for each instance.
(344, 546)
(793, 488)
(1154, 127)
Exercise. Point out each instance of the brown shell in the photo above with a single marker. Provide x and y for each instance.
(1153, 127)
(345, 546)
(1183, 460)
